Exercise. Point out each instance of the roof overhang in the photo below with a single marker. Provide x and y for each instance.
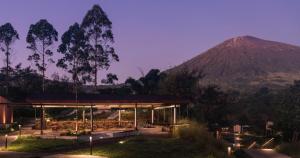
(99, 101)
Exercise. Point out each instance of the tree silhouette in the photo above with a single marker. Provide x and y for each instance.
(8, 35)
(40, 37)
(75, 57)
(98, 31)
(110, 79)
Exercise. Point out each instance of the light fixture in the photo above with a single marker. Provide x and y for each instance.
(229, 150)
(91, 145)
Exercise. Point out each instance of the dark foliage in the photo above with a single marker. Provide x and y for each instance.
(98, 30)
(40, 37)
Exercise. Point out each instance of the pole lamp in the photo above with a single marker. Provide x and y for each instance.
(20, 130)
(5, 141)
(229, 151)
(91, 145)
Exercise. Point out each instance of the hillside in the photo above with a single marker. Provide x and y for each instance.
(247, 62)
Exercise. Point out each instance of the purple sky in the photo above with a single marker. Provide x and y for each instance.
(159, 33)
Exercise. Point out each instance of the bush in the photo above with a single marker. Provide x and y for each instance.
(291, 149)
(198, 135)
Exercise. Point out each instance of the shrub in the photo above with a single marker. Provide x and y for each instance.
(291, 149)
(198, 135)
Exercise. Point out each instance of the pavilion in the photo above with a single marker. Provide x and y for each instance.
(91, 102)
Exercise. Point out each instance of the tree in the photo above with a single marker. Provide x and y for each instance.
(110, 79)
(151, 81)
(288, 113)
(98, 31)
(40, 37)
(182, 84)
(136, 87)
(8, 35)
(212, 105)
(148, 84)
(75, 57)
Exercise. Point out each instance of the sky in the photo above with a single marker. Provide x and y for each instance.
(158, 33)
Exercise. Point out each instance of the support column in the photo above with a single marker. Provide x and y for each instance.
(35, 114)
(187, 111)
(152, 116)
(119, 117)
(83, 116)
(164, 115)
(179, 112)
(12, 115)
(174, 115)
(92, 119)
(76, 124)
(135, 117)
(42, 120)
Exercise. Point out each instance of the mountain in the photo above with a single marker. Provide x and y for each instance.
(247, 62)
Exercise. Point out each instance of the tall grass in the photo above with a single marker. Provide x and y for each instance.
(291, 149)
(198, 135)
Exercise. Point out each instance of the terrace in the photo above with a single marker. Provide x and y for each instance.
(129, 115)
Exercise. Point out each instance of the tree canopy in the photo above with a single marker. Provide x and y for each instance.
(75, 57)
(40, 37)
(98, 29)
(7, 36)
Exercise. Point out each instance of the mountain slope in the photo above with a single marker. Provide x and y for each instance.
(247, 62)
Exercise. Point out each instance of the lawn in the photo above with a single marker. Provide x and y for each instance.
(142, 147)
(189, 142)
(135, 147)
(33, 144)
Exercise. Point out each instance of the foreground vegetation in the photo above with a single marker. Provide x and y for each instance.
(291, 149)
(192, 142)
(33, 144)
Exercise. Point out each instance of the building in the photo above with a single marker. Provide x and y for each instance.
(6, 113)
(94, 101)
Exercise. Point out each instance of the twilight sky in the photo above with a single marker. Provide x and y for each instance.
(159, 33)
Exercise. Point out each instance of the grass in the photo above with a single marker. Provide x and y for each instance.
(33, 144)
(291, 149)
(192, 141)
(188, 142)
(142, 147)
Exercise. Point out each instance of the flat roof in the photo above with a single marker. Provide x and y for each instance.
(101, 101)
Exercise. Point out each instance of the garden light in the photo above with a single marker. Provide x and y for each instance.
(20, 130)
(229, 150)
(5, 141)
(91, 145)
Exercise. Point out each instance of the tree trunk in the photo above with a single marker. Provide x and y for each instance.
(43, 69)
(95, 76)
(95, 62)
(7, 70)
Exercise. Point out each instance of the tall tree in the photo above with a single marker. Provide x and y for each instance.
(98, 31)
(8, 35)
(40, 37)
(75, 57)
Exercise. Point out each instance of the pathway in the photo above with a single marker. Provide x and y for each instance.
(264, 153)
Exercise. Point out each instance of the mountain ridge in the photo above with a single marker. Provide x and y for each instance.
(247, 62)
